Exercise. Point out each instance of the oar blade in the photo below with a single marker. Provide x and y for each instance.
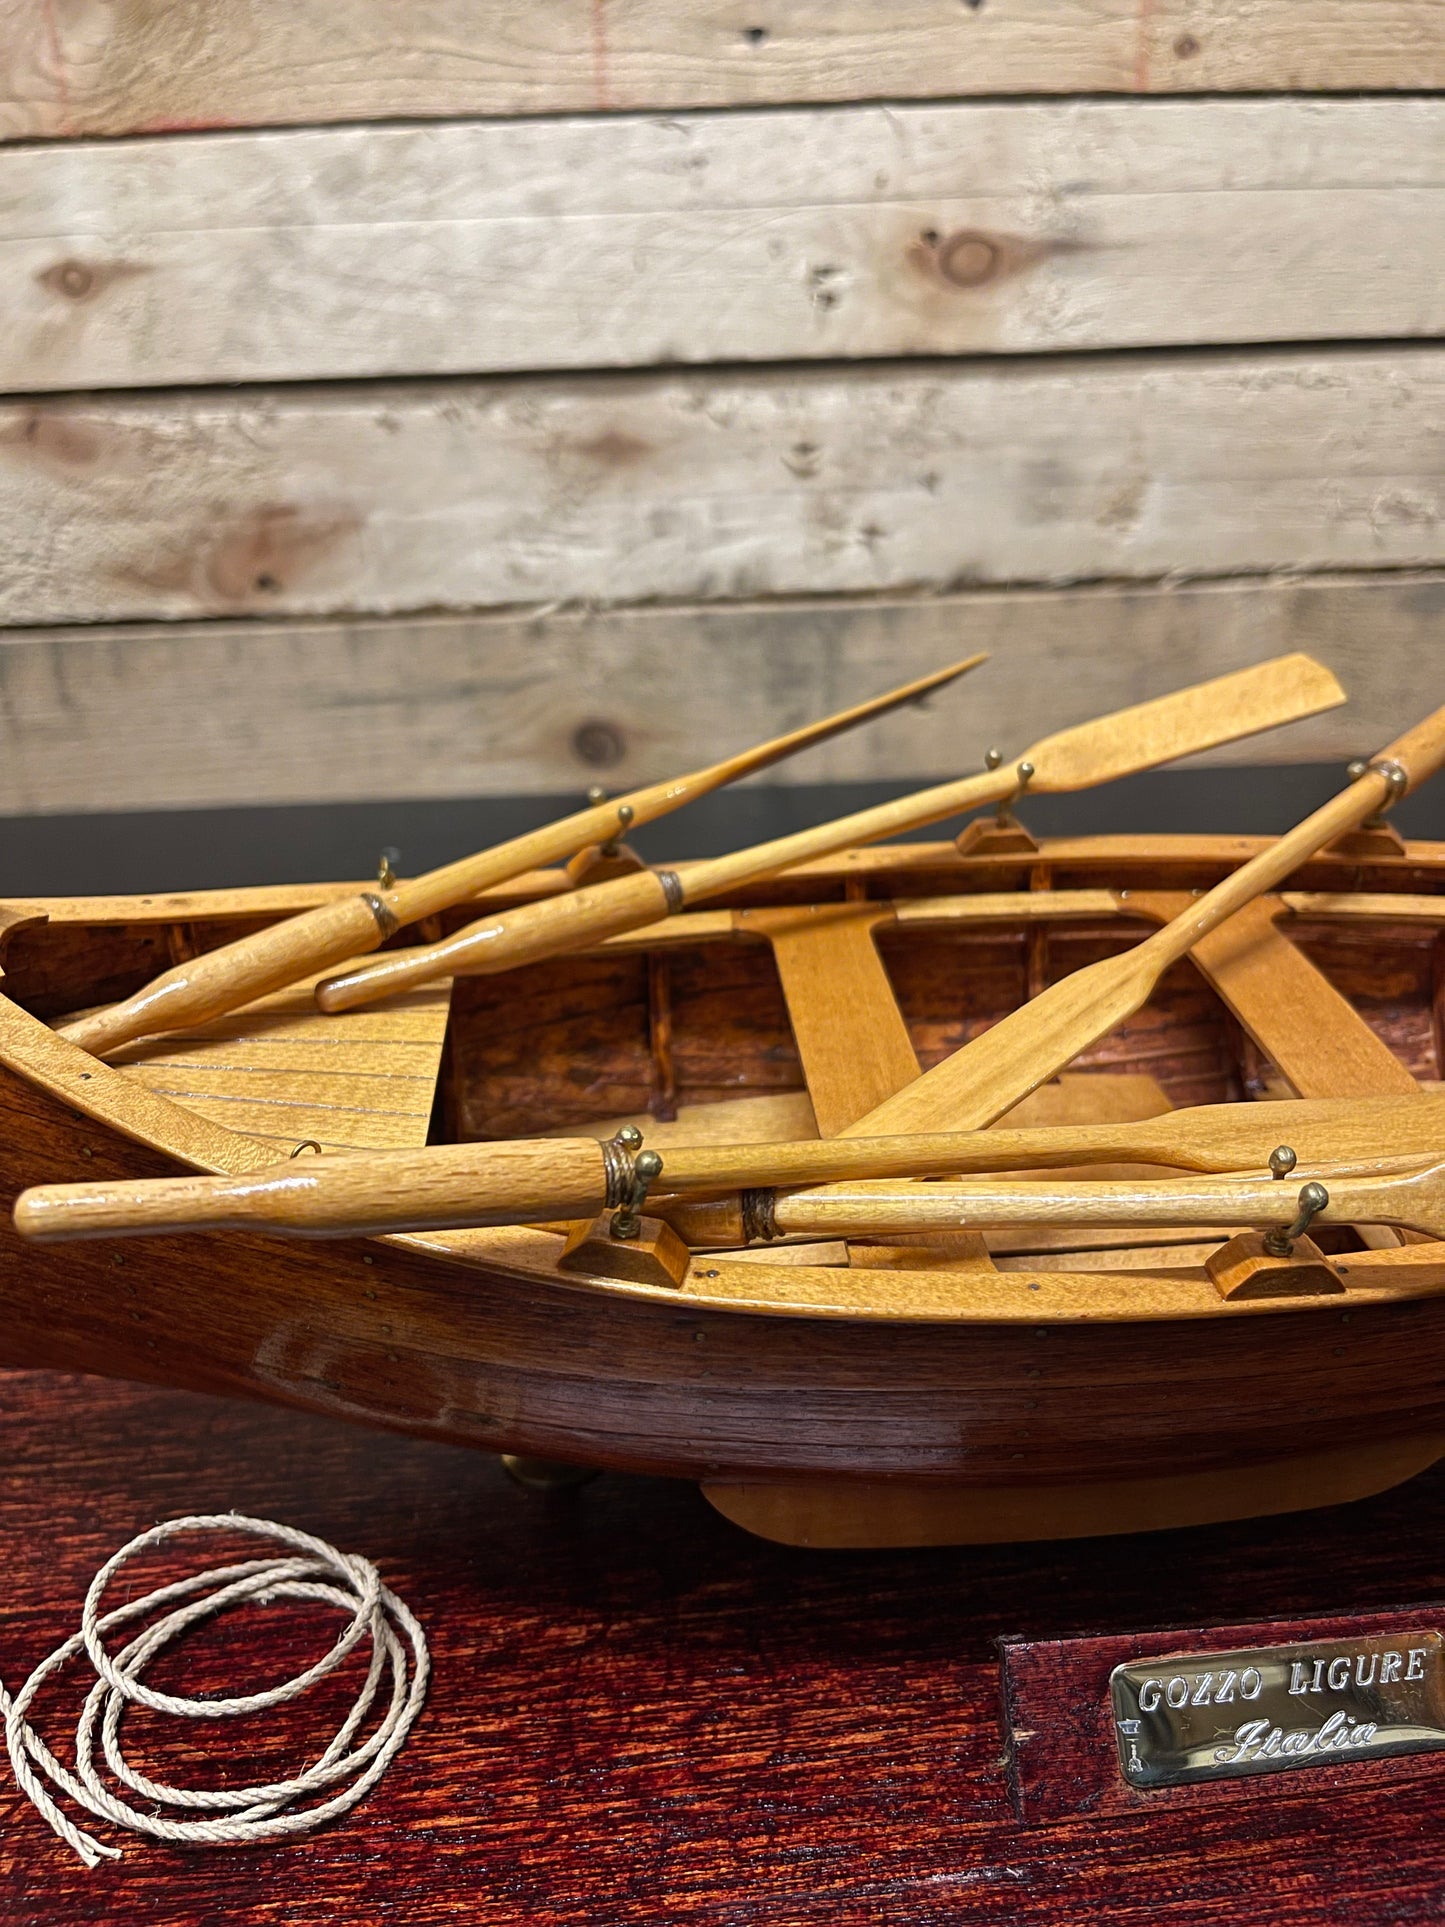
(1360, 1132)
(1284, 690)
(999, 1068)
(1424, 1208)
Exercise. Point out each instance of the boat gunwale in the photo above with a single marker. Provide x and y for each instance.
(272, 901)
(30, 1049)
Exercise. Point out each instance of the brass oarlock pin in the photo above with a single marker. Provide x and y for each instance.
(1396, 777)
(1313, 1199)
(596, 794)
(1004, 818)
(630, 1172)
(646, 1170)
(625, 815)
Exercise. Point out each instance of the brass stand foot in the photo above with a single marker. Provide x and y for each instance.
(546, 1475)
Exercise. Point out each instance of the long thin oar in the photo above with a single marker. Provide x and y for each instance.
(1413, 1200)
(1193, 719)
(998, 1069)
(444, 1186)
(222, 980)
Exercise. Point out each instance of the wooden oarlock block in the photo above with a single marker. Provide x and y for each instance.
(988, 836)
(1244, 1269)
(599, 862)
(1368, 844)
(656, 1256)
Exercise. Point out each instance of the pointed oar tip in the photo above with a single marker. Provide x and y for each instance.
(942, 677)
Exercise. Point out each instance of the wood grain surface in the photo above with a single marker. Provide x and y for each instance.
(281, 1071)
(850, 1035)
(1064, 1684)
(719, 484)
(68, 70)
(640, 1715)
(262, 711)
(797, 235)
(1315, 1038)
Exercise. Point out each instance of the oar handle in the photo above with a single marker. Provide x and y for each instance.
(532, 931)
(321, 1197)
(222, 980)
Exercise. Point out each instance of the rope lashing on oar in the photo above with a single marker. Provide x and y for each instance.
(238, 1816)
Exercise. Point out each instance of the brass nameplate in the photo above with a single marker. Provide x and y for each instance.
(1211, 1716)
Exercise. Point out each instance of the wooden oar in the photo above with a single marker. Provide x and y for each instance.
(1411, 1199)
(222, 980)
(998, 1069)
(445, 1186)
(1193, 719)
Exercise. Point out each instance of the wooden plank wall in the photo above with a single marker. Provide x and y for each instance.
(431, 397)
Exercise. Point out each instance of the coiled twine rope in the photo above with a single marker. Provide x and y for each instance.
(243, 1816)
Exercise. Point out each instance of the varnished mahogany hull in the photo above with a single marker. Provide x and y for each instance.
(391, 1334)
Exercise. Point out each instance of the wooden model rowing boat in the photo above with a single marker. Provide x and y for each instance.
(1106, 1344)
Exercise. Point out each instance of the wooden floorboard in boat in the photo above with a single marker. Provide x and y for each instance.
(283, 1071)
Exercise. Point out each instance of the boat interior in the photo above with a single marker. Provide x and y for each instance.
(793, 1008)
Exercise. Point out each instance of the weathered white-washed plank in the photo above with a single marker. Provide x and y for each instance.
(719, 484)
(265, 712)
(624, 242)
(84, 67)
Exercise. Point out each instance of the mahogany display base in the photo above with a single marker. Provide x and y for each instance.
(1062, 1757)
(641, 1717)
(848, 1515)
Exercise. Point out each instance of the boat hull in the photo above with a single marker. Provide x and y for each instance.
(385, 1332)
(937, 1404)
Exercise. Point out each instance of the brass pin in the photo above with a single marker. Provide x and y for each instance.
(1004, 818)
(646, 1170)
(1313, 1198)
(1396, 777)
(625, 814)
